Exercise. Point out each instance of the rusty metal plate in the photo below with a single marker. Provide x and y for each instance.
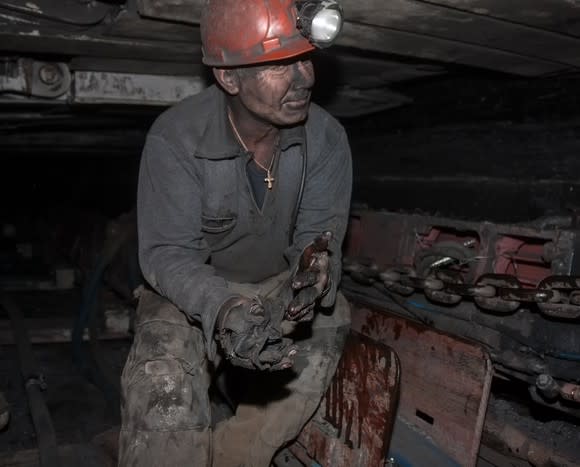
(353, 425)
(98, 87)
(445, 380)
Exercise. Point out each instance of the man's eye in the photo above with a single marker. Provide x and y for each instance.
(277, 68)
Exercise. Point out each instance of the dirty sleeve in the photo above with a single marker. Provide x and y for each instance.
(173, 253)
(325, 203)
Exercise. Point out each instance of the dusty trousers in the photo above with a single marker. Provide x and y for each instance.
(166, 411)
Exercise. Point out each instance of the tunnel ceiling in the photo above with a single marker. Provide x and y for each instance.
(525, 37)
(147, 53)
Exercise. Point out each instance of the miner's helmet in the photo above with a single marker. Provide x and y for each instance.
(246, 32)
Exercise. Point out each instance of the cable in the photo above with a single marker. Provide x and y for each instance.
(574, 357)
(86, 314)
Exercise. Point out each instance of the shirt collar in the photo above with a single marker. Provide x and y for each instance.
(218, 140)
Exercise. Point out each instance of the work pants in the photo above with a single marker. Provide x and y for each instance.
(166, 414)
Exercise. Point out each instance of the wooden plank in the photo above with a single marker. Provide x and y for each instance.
(416, 29)
(401, 27)
(436, 21)
(412, 44)
(551, 15)
(184, 11)
(445, 381)
(34, 39)
(131, 25)
(75, 13)
(554, 15)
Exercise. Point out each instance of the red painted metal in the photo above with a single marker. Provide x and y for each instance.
(445, 380)
(523, 258)
(395, 240)
(353, 425)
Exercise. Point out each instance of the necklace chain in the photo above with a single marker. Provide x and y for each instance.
(267, 169)
(269, 180)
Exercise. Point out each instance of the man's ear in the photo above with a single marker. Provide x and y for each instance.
(228, 79)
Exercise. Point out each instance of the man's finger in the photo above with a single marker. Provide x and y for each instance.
(306, 314)
(284, 364)
(321, 242)
(318, 245)
(303, 299)
(278, 356)
(305, 279)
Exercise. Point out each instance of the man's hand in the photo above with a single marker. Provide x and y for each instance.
(250, 335)
(312, 280)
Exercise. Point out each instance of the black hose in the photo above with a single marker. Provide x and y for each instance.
(86, 318)
(34, 384)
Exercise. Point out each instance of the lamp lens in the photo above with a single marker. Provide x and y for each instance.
(326, 25)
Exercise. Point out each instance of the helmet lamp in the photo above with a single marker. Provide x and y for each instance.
(320, 21)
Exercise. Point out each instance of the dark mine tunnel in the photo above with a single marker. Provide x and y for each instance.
(170, 173)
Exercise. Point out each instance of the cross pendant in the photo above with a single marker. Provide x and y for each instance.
(269, 180)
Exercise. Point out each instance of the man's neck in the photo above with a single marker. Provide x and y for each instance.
(255, 135)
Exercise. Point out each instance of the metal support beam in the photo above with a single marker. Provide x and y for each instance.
(54, 81)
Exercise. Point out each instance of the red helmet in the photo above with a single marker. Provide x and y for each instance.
(245, 32)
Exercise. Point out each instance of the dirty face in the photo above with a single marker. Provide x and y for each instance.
(277, 93)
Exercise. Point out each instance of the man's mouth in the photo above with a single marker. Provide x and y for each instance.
(298, 101)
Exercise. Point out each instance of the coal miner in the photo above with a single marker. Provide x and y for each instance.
(243, 200)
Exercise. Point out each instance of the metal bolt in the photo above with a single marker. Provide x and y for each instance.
(447, 260)
(543, 381)
(49, 74)
(547, 386)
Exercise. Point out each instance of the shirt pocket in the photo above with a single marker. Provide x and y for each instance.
(218, 230)
(218, 224)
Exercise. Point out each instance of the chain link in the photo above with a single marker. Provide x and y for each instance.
(556, 296)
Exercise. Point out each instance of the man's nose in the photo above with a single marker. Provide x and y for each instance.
(303, 74)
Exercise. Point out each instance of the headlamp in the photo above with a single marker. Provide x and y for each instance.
(319, 21)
